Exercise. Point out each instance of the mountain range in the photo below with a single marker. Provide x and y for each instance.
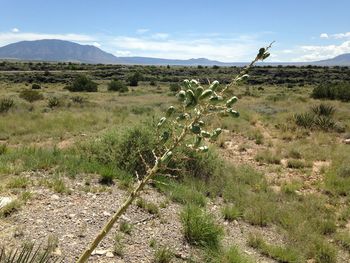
(64, 51)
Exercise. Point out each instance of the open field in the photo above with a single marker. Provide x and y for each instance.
(275, 187)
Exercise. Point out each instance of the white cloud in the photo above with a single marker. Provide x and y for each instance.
(7, 38)
(160, 36)
(142, 30)
(15, 30)
(313, 53)
(342, 35)
(336, 36)
(214, 48)
(96, 44)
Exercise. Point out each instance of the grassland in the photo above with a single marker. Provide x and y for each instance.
(269, 189)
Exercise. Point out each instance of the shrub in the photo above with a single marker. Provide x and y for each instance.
(83, 83)
(297, 164)
(77, 99)
(199, 227)
(117, 85)
(174, 87)
(53, 102)
(36, 86)
(31, 95)
(6, 104)
(332, 91)
(134, 79)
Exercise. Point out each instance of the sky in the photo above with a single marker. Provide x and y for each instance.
(224, 30)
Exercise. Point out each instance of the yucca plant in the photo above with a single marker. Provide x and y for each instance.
(305, 120)
(184, 125)
(323, 110)
(28, 254)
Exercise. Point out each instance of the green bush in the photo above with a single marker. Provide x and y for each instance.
(332, 91)
(6, 104)
(134, 79)
(36, 86)
(117, 85)
(83, 83)
(31, 95)
(230, 255)
(199, 227)
(53, 102)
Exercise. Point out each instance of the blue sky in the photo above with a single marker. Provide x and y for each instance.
(223, 30)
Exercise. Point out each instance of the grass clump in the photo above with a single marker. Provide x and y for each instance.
(10, 208)
(163, 254)
(199, 228)
(297, 164)
(267, 156)
(125, 227)
(230, 255)
(279, 253)
(151, 208)
(231, 212)
(31, 95)
(18, 182)
(343, 239)
(185, 194)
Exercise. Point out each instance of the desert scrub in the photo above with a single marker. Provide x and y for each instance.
(298, 164)
(199, 227)
(31, 95)
(125, 227)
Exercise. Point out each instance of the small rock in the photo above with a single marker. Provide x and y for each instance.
(55, 197)
(4, 200)
(109, 254)
(99, 252)
(105, 213)
(347, 141)
(70, 216)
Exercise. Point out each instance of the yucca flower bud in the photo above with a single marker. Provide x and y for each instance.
(214, 86)
(231, 101)
(161, 122)
(205, 134)
(170, 111)
(181, 96)
(198, 91)
(206, 94)
(203, 148)
(164, 137)
(215, 99)
(195, 129)
(233, 113)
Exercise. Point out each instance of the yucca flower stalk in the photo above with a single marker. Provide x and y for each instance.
(178, 126)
